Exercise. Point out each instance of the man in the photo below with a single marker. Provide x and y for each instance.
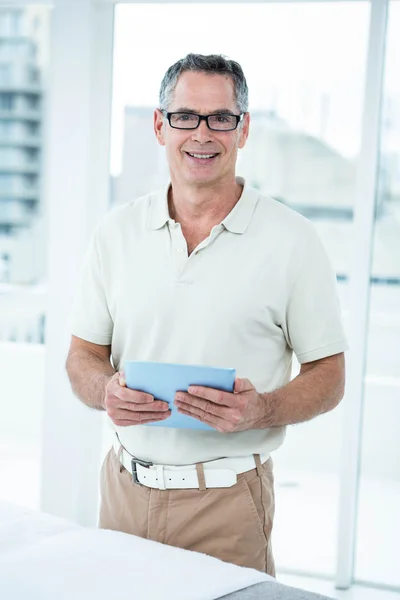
(207, 272)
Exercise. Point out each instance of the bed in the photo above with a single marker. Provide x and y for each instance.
(43, 557)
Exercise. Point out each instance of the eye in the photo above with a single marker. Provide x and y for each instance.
(223, 121)
(185, 117)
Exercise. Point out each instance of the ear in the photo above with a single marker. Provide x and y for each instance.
(244, 131)
(159, 126)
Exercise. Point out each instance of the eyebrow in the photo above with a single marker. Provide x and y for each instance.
(219, 111)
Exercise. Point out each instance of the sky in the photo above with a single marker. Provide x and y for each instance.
(305, 60)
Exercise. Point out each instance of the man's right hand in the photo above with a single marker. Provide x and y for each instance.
(127, 407)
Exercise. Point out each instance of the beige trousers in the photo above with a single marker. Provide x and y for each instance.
(233, 524)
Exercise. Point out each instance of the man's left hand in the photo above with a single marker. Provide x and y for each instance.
(226, 412)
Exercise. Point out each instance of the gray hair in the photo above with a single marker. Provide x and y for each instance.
(213, 64)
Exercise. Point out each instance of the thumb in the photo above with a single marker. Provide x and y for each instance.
(121, 379)
(242, 385)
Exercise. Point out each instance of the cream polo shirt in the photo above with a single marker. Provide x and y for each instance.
(259, 288)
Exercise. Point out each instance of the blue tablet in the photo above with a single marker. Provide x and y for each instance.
(163, 380)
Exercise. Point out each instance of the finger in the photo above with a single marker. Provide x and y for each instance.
(203, 405)
(121, 379)
(212, 423)
(125, 423)
(237, 388)
(138, 417)
(200, 413)
(243, 385)
(216, 396)
(128, 395)
(155, 406)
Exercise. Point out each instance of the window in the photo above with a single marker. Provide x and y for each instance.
(32, 128)
(6, 180)
(6, 101)
(11, 48)
(6, 129)
(32, 75)
(5, 74)
(23, 243)
(8, 156)
(11, 22)
(379, 495)
(32, 101)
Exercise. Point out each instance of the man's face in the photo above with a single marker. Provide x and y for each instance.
(201, 94)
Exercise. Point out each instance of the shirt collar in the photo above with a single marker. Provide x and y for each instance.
(158, 210)
(236, 221)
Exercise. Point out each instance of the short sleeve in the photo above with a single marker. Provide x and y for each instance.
(313, 324)
(90, 317)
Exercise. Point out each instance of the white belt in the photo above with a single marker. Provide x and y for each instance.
(220, 473)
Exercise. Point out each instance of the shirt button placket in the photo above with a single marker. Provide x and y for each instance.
(179, 250)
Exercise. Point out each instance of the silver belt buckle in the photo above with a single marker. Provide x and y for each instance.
(142, 463)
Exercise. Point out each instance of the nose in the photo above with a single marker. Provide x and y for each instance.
(202, 134)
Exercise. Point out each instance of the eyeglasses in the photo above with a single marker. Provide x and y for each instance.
(217, 122)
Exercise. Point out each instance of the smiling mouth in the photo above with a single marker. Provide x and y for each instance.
(202, 156)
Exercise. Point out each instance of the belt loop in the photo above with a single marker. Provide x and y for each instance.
(160, 476)
(121, 466)
(257, 460)
(119, 453)
(201, 477)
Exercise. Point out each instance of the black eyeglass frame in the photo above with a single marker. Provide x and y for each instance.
(201, 118)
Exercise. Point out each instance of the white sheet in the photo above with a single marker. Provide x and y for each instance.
(46, 558)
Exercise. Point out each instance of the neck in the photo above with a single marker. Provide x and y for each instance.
(202, 207)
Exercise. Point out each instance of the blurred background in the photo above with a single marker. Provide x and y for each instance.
(307, 67)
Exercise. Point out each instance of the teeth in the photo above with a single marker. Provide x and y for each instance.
(202, 155)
